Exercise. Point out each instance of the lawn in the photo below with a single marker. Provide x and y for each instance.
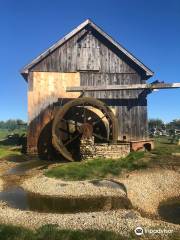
(3, 133)
(51, 232)
(163, 152)
(103, 168)
(9, 152)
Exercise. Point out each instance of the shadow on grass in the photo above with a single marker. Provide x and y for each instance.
(51, 232)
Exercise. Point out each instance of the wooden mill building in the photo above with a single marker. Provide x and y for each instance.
(87, 56)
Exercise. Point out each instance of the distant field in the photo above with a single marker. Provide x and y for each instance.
(9, 152)
(3, 133)
(5, 150)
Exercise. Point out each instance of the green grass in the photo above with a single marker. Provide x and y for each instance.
(97, 168)
(163, 146)
(7, 152)
(51, 232)
(9, 232)
(3, 133)
(163, 152)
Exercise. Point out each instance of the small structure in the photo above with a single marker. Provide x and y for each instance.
(65, 86)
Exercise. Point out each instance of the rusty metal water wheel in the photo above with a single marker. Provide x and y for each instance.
(82, 118)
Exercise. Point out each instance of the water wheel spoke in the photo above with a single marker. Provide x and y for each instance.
(75, 123)
(63, 120)
(84, 112)
(99, 136)
(72, 139)
(99, 120)
(68, 131)
(65, 131)
(71, 121)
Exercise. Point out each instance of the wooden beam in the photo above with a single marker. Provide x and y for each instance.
(123, 87)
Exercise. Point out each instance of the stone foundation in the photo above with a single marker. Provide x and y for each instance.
(113, 151)
(89, 149)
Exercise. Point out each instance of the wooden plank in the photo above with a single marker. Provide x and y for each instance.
(123, 87)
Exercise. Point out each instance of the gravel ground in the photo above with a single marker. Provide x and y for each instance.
(120, 221)
(5, 165)
(146, 189)
(56, 187)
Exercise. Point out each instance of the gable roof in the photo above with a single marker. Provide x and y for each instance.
(144, 68)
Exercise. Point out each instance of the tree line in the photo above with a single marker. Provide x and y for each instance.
(13, 124)
(159, 124)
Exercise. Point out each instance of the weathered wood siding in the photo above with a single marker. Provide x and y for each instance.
(85, 51)
(130, 106)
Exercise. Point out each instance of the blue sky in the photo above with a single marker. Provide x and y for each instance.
(148, 29)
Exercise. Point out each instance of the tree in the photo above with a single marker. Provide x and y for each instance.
(12, 124)
(2, 124)
(174, 124)
(156, 123)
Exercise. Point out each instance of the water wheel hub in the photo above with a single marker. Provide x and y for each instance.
(87, 130)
